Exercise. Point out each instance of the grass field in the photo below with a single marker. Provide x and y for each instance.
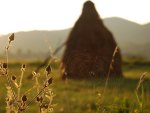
(86, 96)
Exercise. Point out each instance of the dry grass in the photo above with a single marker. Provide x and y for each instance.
(94, 96)
(18, 102)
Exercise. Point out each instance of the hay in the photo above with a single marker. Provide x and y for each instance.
(90, 47)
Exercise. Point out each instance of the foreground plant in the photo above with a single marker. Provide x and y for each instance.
(140, 93)
(18, 102)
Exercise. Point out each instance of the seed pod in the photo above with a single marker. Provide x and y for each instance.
(24, 98)
(11, 37)
(48, 69)
(23, 67)
(50, 81)
(39, 99)
(46, 106)
(5, 65)
(13, 78)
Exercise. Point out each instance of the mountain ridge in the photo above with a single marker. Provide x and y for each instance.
(132, 38)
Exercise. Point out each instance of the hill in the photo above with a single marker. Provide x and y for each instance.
(133, 38)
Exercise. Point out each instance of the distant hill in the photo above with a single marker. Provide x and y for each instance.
(133, 39)
(35, 43)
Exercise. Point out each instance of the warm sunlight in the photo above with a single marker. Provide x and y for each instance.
(74, 56)
(24, 15)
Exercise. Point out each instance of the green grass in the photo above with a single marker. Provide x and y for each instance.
(83, 96)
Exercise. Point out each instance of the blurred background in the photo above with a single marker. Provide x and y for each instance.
(41, 26)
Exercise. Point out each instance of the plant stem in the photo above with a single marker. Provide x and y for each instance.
(37, 84)
(20, 84)
(7, 76)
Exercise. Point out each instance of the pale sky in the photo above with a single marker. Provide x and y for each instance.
(25, 15)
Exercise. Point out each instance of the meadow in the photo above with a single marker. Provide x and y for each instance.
(88, 96)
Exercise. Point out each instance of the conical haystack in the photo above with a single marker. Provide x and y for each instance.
(90, 47)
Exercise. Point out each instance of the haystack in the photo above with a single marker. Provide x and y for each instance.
(90, 47)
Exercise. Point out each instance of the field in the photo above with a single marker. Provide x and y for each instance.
(88, 96)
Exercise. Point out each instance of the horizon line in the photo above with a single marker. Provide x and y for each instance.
(7, 33)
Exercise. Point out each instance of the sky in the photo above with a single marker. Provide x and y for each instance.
(26, 15)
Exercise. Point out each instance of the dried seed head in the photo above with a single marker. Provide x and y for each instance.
(5, 65)
(39, 99)
(46, 106)
(48, 69)
(11, 37)
(13, 78)
(50, 81)
(23, 67)
(24, 98)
